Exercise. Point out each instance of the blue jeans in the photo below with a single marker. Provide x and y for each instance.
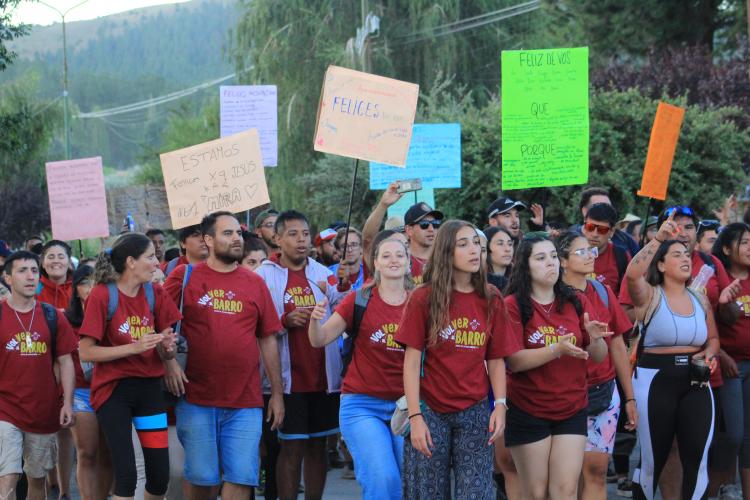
(377, 453)
(219, 440)
(735, 403)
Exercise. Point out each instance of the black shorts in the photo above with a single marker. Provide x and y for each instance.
(310, 415)
(524, 428)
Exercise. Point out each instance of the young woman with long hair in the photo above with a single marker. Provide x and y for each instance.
(732, 248)
(126, 387)
(677, 347)
(454, 330)
(577, 262)
(546, 425)
(374, 377)
(94, 466)
(499, 255)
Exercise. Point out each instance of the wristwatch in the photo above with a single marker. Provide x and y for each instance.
(502, 401)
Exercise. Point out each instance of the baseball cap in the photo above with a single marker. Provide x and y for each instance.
(502, 205)
(326, 234)
(419, 211)
(265, 214)
(652, 220)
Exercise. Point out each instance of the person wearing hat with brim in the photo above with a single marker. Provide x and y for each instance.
(265, 227)
(625, 221)
(505, 212)
(328, 255)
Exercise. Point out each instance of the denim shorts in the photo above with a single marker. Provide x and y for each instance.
(82, 401)
(219, 440)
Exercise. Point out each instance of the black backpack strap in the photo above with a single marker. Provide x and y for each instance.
(361, 298)
(621, 258)
(707, 260)
(50, 316)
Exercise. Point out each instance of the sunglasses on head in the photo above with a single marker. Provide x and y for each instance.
(709, 224)
(679, 210)
(424, 224)
(591, 227)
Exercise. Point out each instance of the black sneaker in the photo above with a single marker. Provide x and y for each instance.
(624, 487)
(334, 459)
(612, 476)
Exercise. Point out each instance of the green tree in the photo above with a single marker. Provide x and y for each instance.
(9, 32)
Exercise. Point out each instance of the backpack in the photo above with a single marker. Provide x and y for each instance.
(50, 317)
(171, 266)
(361, 298)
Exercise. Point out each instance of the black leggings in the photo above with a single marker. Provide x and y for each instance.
(669, 406)
(139, 402)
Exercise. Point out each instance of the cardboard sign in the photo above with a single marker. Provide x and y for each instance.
(77, 203)
(434, 156)
(243, 107)
(399, 208)
(147, 205)
(365, 116)
(545, 117)
(225, 174)
(661, 148)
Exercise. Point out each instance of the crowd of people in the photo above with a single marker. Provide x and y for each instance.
(432, 358)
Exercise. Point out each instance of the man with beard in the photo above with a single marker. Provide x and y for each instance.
(311, 376)
(229, 322)
(505, 212)
(328, 254)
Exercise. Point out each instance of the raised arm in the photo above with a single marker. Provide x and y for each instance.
(638, 288)
(375, 220)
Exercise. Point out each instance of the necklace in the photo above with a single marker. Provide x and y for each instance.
(547, 310)
(31, 323)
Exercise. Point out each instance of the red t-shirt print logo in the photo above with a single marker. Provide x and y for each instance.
(27, 344)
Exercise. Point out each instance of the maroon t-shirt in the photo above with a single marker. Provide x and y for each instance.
(307, 362)
(735, 339)
(29, 395)
(417, 269)
(618, 323)
(377, 364)
(455, 373)
(605, 268)
(224, 316)
(558, 389)
(131, 321)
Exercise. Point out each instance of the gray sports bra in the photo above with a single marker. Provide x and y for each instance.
(668, 329)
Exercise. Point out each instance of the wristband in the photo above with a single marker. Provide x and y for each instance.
(501, 401)
(657, 239)
(629, 400)
(418, 414)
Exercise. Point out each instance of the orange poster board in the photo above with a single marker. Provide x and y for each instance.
(661, 148)
(365, 116)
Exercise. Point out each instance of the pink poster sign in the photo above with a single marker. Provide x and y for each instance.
(77, 203)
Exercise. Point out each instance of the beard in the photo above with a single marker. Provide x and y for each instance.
(228, 255)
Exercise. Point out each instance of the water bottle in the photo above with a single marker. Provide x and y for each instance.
(698, 285)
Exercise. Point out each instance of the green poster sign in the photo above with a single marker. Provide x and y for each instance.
(545, 117)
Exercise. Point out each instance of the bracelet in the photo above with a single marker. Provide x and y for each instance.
(629, 400)
(419, 414)
(657, 239)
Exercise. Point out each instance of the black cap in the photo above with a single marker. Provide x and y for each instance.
(502, 205)
(419, 211)
(81, 273)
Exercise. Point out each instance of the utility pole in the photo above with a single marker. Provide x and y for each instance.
(65, 74)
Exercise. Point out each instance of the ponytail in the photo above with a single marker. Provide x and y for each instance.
(110, 264)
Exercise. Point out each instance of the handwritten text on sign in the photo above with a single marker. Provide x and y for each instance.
(545, 117)
(365, 116)
(77, 203)
(225, 174)
(251, 106)
(434, 156)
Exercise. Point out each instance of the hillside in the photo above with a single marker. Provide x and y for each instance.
(125, 58)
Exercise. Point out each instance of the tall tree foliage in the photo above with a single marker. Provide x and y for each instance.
(9, 32)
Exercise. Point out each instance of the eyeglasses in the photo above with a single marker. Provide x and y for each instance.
(268, 225)
(600, 229)
(581, 252)
(678, 210)
(352, 245)
(427, 223)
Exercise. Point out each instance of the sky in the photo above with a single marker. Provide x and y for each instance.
(32, 12)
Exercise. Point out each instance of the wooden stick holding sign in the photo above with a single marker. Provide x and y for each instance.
(225, 174)
(366, 117)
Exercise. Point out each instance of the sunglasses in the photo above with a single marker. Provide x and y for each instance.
(581, 252)
(591, 227)
(427, 223)
(709, 224)
(678, 210)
